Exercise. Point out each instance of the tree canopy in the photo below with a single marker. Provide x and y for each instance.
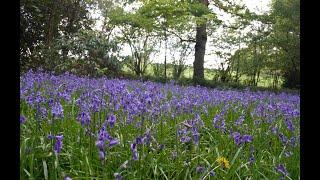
(62, 36)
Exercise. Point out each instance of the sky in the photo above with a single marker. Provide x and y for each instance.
(210, 60)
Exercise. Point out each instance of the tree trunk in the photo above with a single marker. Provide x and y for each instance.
(258, 76)
(200, 49)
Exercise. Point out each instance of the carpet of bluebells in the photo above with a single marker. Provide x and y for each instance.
(98, 128)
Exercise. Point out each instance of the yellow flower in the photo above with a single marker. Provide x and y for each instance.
(223, 162)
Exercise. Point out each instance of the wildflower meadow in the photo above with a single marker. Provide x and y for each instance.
(98, 128)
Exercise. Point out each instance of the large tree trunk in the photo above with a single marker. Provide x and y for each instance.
(200, 49)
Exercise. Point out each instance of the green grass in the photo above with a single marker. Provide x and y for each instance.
(265, 81)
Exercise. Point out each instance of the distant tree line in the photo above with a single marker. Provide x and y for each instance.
(60, 36)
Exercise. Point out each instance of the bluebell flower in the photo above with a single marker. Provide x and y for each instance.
(101, 155)
(292, 141)
(282, 169)
(200, 169)
(283, 138)
(237, 138)
(111, 120)
(247, 138)
(134, 151)
(139, 140)
(118, 176)
(274, 130)
(185, 139)
(67, 178)
(289, 125)
(251, 159)
(288, 154)
(196, 135)
(239, 121)
(182, 131)
(22, 119)
(212, 173)
(57, 110)
(50, 136)
(100, 144)
(84, 117)
(113, 142)
(58, 144)
(43, 112)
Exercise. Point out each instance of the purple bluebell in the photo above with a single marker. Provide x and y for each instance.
(289, 125)
(293, 141)
(139, 140)
(218, 121)
(111, 120)
(215, 121)
(212, 173)
(283, 138)
(113, 142)
(58, 144)
(251, 158)
(134, 150)
(274, 130)
(147, 137)
(247, 138)
(237, 138)
(282, 169)
(43, 112)
(50, 136)
(239, 121)
(22, 119)
(196, 135)
(57, 110)
(100, 144)
(185, 139)
(67, 178)
(118, 176)
(182, 131)
(288, 154)
(84, 117)
(101, 155)
(200, 169)
(50, 102)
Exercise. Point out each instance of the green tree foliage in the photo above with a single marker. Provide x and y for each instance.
(286, 37)
(43, 21)
(136, 31)
(273, 45)
(89, 53)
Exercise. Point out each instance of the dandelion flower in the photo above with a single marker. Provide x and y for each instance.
(223, 162)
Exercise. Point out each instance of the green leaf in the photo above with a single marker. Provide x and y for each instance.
(236, 155)
(45, 169)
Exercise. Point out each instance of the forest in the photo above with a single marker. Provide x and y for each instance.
(253, 48)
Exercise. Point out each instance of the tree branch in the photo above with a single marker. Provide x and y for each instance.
(181, 39)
